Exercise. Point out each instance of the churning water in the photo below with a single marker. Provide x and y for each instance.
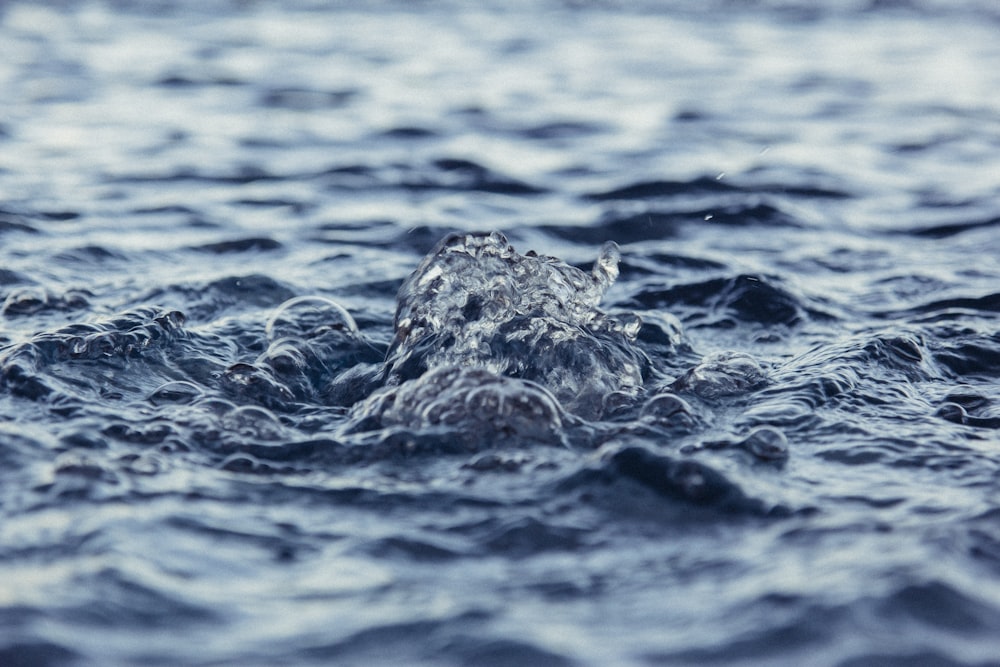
(508, 334)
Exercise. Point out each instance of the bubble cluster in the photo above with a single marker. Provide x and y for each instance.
(474, 301)
(470, 403)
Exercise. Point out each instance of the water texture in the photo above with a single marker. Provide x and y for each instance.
(518, 333)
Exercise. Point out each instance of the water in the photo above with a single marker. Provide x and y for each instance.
(271, 393)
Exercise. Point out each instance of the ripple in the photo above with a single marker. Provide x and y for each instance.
(748, 298)
(684, 481)
(32, 653)
(971, 356)
(304, 99)
(452, 640)
(33, 300)
(661, 188)
(950, 308)
(256, 244)
(409, 132)
(460, 174)
(948, 230)
(8, 225)
(209, 301)
(123, 601)
(723, 374)
(938, 605)
(197, 78)
(561, 130)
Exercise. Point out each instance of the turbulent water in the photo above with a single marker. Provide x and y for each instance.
(500, 334)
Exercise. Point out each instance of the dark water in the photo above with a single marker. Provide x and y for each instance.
(244, 421)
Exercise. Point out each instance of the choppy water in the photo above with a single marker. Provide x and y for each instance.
(270, 393)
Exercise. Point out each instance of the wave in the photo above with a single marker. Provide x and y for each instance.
(706, 185)
(746, 298)
(439, 174)
(684, 483)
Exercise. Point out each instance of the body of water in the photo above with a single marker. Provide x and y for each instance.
(508, 334)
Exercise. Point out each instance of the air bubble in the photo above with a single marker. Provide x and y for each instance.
(308, 317)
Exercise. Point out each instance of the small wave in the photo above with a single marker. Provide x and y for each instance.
(89, 255)
(241, 175)
(304, 99)
(9, 225)
(460, 174)
(311, 341)
(252, 244)
(29, 653)
(970, 355)
(657, 224)
(33, 300)
(124, 336)
(419, 239)
(21, 219)
(946, 230)
(706, 185)
(936, 604)
(192, 78)
(909, 658)
(661, 188)
(209, 302)
(949, 309)
(124, 600)
(522, 537)
(561, 130)
(748, 298)
(456, 640)
(682, 483)
(408, 132)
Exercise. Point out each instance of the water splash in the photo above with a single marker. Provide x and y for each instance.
(474, 301)
(471, 404)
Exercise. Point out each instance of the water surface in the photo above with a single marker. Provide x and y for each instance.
(271, 393)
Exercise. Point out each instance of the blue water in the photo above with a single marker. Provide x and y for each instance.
(508, 334)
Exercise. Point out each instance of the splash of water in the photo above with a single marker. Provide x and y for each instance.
(475, 302)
